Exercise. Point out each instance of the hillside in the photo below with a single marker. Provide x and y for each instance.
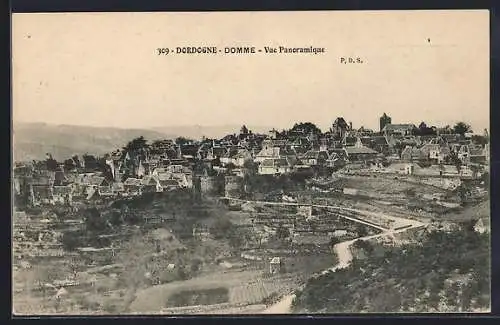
(448, 273)
(34, 140)
(471, 212)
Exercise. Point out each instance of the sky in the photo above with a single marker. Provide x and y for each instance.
(101, 69)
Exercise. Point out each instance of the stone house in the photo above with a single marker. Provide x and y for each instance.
(478, 154)
(168, 184)
(483, 225)
(439, 154)
(300, 144)
(236, 156)
(398, 129)
(274, 150)
(274, 166)
(132, 186)
(41, 194)
(151, 184)
(339, 128)
(118, 188)
(409, 169)
(62, 194)
(411, 153)
(360, 152)
(275, 265)
(315, 158)
(241, 157)
(182, 174)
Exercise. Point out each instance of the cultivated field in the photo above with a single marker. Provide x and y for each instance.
(244, 287)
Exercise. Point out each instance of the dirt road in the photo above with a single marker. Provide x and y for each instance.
(281, 307)
(343, 251)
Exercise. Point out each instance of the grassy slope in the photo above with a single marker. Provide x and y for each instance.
(401, 278)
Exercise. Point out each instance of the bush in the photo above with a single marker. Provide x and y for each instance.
(196, 265)
(282, 232)
(334, 241)
(167, 276)
(110, 307)
(221, 228)
(94, 221)
(410, 192)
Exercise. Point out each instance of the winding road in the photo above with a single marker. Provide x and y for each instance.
(343, 249)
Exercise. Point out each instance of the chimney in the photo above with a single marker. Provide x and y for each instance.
(350, 125)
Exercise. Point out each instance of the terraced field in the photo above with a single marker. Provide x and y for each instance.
(253, 293)
(245, 288)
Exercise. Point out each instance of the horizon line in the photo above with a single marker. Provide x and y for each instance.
(155, 128)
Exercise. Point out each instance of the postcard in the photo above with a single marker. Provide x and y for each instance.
(320, 162)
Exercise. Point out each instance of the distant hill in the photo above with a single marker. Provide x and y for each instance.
(198, 131)
(34, 140)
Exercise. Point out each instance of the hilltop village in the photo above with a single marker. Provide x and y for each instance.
(263, 212)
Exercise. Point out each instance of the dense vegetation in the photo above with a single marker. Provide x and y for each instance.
(448, 273)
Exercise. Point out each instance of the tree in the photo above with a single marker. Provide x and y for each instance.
(423, 129)
(230, 166)
(446, 130)
(196, 265)
(51, 164)
(480, 139)
(410, 192)
(250, 165)
(221, 227)
(239, 237)
(334, 241)
(76, 160)
(93, 220)
(441, 169)
(463, 192)
(103, 167)
(182, 141)
(69, 164)
(90, 162)
(475, 169)
(136, 144)
(361, 230)
(306, 128)
(453, 159)
(485, 177)
(462, 128)
(160, 146)
(282, 232)
(70, 240)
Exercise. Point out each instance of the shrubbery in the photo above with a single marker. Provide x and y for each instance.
(397, 280)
